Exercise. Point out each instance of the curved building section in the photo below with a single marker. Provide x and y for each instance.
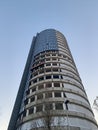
(53, 97)
(46, 40)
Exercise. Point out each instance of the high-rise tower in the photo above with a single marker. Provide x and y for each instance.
(51, 95)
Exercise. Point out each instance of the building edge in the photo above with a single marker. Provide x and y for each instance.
(16, 108)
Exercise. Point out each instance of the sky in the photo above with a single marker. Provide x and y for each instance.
(20, 20)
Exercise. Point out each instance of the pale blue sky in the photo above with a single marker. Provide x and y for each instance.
(20, 20)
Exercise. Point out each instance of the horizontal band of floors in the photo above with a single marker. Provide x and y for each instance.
(65, 62)
(68, 64)
(63, 52)
(60, 68)
(58, 81)
(62, 43)
(57, 73)
(65, 59)
(70, 70)
(52, 56)
(65, 55)
(56, 89)
(55, 113)
(47, 53)
(61, 48)
(62, 100)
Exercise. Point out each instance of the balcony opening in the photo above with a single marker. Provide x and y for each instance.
(31, 110)
(55, 76)
(39, 108)
(33, 89)
(33, 99)
(40, 87)
(56, 84)
(57, 94)
(59, 106)
(39, 96)
(41, 78)
(48, 95)
(48, 106)
(48, 77)
(48, 85)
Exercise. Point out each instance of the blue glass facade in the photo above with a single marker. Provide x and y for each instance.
(46, 40)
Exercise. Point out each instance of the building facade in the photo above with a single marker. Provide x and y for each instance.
(51, 95)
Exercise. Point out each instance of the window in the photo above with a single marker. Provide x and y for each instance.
(28, 92)
(35, 74)
(59, 106)
(48, 70)
(42, 60)
(39, 108)
(60, 55)
(31, 110)
(48, 77)
(47, 54)
(48, 64)
(42, 56)
(56, 84)
(54, 64)
(48, 107)
(55, 70)
(41, 71)
(36, 68)
(32, 99)
(24, 113)
(29, 83)
(55, 76)
(26, 101)
(41, 66)
(36, 63)
(57, 94)
(64, 56)
(54, 54)
(48, 59)
(35, 80)
(48, 95)
(41, 78)
(40, 87)
(40, 96)
(54, 58)
(33, 89)
(48, 85)
(37, 58)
